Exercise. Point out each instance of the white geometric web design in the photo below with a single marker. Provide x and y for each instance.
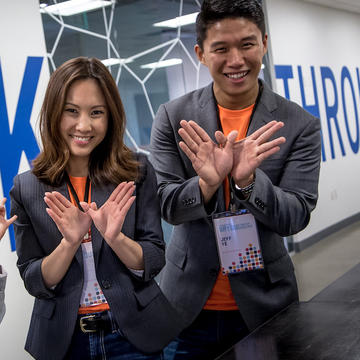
(108, 24)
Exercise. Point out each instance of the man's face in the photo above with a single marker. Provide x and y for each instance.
(233, 52)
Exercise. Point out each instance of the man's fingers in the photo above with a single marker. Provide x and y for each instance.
(276, 125)
(188, 140)
(202, 134)
(271, 144)
(264, 155)
(220, 138)
(266, 135)
(232, 136)
(187, 152)
(190, 131)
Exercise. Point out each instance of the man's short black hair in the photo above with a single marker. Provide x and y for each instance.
(216, 10)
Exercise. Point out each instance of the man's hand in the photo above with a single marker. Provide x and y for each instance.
(4, 224)
(109, 219)
(250, 152)
(210, 161)
(71, 222)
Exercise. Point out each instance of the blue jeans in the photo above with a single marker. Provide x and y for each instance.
(105, 345)
(211, 334)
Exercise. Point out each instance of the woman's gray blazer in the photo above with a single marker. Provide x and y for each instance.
(134, 301)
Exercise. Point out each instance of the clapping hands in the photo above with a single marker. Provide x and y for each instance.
(213, 162)
(108, 219)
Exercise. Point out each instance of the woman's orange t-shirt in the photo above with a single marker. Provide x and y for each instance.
(221, 296)
(79, 184)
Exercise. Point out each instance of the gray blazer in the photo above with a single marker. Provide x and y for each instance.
(134, 301)
(284, 194)
(3, 277)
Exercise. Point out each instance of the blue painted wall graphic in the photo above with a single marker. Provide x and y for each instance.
(332, 111)
(22, 137)
(333, 86)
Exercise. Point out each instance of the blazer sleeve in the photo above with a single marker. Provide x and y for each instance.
(180, 196)
(3, 277)
(29, 251)
(148, 231)
(285, 206)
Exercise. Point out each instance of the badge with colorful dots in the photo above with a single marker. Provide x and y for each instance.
(238, 242)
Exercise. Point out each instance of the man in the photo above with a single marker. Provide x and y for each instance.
(4, 224)
(203, 172)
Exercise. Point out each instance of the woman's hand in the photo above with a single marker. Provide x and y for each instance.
(4, 224)
(71, 222)
(109, 219)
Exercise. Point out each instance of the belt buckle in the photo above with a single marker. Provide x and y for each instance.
(83, 325)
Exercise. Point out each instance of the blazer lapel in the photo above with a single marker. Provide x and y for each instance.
(208, 113)
(263, 112)
(209, 121)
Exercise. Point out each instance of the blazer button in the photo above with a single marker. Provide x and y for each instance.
(106, 284)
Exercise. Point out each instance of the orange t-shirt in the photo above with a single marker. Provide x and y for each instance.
(221, 296)
(79, 184)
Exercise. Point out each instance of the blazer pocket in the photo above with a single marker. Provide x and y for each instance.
(280, 269)
(177, 256)
(44, 308)
(146, 294)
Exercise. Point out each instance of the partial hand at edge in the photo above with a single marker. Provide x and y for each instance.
(4, 224)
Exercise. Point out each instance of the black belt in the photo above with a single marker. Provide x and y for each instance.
(95, 322)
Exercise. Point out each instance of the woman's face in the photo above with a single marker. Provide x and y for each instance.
(84, 120)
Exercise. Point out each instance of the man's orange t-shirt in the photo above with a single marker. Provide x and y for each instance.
(221, 296)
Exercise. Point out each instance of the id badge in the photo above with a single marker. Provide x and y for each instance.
(237, 242)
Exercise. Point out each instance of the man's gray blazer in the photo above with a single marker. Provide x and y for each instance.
(142, 312)
(284, 194)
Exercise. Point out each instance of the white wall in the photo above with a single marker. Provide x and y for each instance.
(308, 35)
(21, 36)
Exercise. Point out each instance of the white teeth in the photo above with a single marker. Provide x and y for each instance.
(81, 138)
(237, 76)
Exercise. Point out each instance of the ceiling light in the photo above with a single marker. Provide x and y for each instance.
(72, 7)
(178, 21)
(115, 61)
(163, 63)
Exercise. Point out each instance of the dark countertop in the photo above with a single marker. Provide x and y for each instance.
(325, 328)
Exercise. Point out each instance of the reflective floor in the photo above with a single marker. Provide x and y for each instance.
(325, 325)
(319, 265)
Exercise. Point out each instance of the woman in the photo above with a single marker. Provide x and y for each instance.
(88, 234)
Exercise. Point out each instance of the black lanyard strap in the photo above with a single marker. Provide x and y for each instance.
(74, 194)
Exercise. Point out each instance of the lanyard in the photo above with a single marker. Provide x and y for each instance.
(74, 194)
